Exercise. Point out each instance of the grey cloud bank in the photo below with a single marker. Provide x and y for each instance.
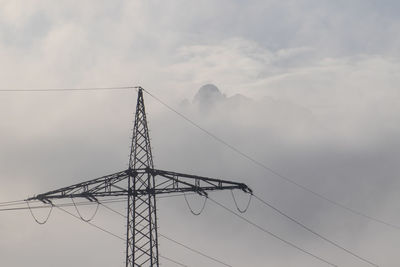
(309, 88)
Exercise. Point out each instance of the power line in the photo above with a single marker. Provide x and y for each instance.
(70, 89)
(115, 235)
(233, 148)
(82, 203)
(87, 221)
(116, 200)
(272, 234)
(284, 177)
(313, 232)
(265, 167)
(195, 251)
(90, 223)
(176, 242)
(174, 261)
(11, 202)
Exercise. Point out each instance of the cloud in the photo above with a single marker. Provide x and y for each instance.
(307, 88)
(291, 138)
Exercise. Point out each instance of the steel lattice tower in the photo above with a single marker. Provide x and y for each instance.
(140, 183)
(142, 243)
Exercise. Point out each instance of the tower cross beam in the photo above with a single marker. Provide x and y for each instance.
(140, 183)
(166, 182)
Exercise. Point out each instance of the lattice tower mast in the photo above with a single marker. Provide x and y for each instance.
(142, 241)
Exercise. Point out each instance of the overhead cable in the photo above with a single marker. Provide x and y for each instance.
(265, 167)
(11, 207)
(314, 232)
(70, 89)
(273, 235)
(175, 241)
(14, 202)
(195, 251)
(115, 235)
(220, 140)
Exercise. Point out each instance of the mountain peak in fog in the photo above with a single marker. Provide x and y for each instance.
(207, 95)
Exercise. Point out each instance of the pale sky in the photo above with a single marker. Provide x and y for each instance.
(310, 89)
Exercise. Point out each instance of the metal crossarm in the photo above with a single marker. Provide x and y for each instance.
(189, 182)
(165, 182)
(141, 183)
(100, 187)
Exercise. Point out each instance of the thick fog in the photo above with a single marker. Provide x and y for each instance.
(307, 88)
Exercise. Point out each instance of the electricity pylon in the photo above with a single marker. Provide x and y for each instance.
(140, 183)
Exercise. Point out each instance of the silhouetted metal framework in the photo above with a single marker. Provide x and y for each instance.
(141, 183)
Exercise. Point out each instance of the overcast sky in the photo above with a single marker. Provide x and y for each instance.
(308, 88)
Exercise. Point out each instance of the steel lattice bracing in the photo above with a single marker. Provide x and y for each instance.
(142, 243)
(141, 183)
